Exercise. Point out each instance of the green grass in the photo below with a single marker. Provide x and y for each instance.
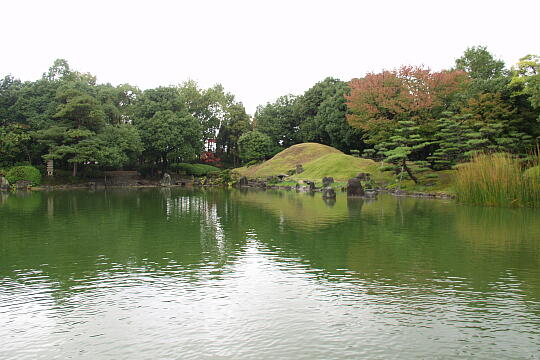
(497, 180)
(337, 165)
(287, 159)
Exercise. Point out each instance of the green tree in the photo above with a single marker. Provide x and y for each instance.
(402, 146)
(15, 144)
(322, 116)
(116, 145)
(236, 122)
(526, 80)
(454, 137)
(254, 145)
(279, 121)
(170, 135)
(479, 63)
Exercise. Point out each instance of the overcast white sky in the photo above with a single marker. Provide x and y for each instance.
(258, 50)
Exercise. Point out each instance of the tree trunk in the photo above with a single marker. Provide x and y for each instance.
(74, 173)
(164, 163)
(415, 179)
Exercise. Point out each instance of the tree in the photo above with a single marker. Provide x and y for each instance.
(454, 138)
(236, 123)
(378, 102)
(116, 145)
(480, 64)
(67, 143)
(15, 144)
(58, 70)
(526, 80)
(169, 134)
(322, 116)
(492, 122)
(401, 146)
(279, 121)
(254, 145)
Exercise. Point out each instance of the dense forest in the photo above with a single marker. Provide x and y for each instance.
(411, 113)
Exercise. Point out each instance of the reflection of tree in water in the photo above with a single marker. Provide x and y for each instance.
(412, 242)
(211, 229)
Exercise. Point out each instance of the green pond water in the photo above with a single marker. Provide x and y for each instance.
(194, 274)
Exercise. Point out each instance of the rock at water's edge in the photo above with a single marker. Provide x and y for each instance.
(166, 181)
(354, 187)
(4, 184)
(243, 182)
(327, 181)
(328, 193)
(23, 184)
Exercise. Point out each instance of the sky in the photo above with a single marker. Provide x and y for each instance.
(257, 49)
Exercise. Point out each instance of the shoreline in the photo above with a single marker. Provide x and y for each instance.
(86, 186)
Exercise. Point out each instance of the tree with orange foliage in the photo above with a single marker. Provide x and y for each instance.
(377, 102)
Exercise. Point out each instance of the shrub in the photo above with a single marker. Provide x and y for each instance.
(225, 176)
(195, 169)
(28, 173)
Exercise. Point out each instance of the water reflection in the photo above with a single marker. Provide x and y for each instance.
(112, 274)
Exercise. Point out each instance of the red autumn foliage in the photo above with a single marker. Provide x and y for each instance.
(407, 93)
(208, 157)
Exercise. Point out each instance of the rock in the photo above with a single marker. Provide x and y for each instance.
(243, 182)
(4, 184)
(23, 184)
(363, 176)
(281, 176)
(310, 184)
(305, 188)
(370, 194)
(328, 193)
(354, 187)
(299, 169)
(166, 181)
(327, 181)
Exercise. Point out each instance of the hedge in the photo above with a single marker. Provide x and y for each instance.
(195, 169)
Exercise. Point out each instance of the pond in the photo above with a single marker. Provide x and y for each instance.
(214, 274)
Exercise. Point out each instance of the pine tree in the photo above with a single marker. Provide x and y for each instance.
(406, 142)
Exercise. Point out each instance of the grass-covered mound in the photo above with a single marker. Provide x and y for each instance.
(317, 160)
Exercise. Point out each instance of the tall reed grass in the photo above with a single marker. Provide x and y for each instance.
(498, 180)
